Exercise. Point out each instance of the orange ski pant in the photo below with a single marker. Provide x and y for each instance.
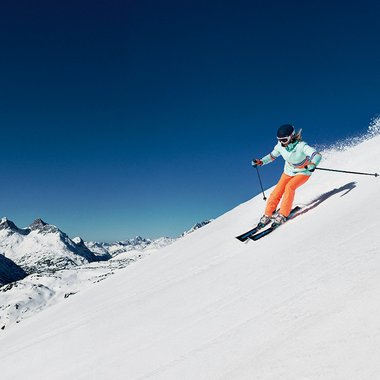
(285, 189)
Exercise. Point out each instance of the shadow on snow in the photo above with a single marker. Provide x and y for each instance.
(317, 201)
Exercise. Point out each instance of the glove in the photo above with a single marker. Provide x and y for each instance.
(310, 167)
(256, 162)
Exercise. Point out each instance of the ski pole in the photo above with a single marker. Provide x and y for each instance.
(261, 185)
(345, 171)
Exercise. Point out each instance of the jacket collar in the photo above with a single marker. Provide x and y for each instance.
(291, 146)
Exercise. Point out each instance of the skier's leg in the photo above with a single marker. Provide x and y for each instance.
(275, 197)
(290, 189)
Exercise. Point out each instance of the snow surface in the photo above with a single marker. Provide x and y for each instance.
(302, 303)
(22, 299)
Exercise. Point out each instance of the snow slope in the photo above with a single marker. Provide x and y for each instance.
(302, 303)
(25, 298)
(52, 250)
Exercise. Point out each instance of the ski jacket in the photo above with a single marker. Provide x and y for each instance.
(297, 155)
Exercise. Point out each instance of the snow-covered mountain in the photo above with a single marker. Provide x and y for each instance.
(42, 247)
(196, 227)
(137, 244)
(302, 303)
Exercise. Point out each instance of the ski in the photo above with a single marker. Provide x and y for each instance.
(267, 231)
(244, 237)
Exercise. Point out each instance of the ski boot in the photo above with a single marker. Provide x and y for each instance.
(278, 220)
(264, 220)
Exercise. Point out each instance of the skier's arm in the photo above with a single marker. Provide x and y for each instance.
(271, 156)
(314, 157)
(266, 159)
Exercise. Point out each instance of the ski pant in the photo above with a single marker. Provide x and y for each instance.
(285, 189)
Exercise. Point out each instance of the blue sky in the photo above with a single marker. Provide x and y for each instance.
(121, 118)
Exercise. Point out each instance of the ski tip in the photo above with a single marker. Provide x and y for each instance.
(245, 240)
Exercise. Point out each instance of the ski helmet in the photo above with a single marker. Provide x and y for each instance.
(285, 130)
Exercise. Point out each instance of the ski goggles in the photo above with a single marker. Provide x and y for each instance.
(285, 140)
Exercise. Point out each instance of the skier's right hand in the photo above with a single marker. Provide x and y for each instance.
(311, 167)
(256, 162)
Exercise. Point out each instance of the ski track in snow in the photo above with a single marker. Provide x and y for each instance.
(301, 303)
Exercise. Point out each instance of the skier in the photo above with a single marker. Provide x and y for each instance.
(300, 162)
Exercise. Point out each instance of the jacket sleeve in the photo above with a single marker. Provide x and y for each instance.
(271, 156)
(314, 156)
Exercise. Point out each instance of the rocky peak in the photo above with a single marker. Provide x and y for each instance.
(6, 224)
(197, 226)
(40, 226)
(138, 240)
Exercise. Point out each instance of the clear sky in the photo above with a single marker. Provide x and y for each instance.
(121, 118)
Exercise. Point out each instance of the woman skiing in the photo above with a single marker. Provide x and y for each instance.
(300, 162)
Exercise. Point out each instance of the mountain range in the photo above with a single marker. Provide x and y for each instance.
(42, 247)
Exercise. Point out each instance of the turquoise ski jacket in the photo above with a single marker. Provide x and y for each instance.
(297, 155)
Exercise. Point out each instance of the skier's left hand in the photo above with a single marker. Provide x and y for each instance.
(257, 162)
(310, 167)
